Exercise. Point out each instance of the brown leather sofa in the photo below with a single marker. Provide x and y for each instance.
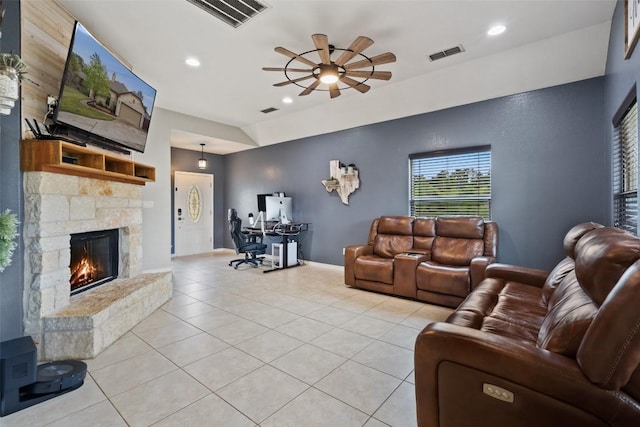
(532, 348)
(438, 260)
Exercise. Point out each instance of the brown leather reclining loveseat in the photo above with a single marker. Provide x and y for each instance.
(438, 260)
(531, 348)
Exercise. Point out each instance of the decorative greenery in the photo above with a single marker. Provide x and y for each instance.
(8, 233)
(14, 61)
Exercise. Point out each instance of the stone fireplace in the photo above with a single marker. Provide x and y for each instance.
(80, 326)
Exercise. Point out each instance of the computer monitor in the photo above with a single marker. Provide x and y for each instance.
(262, 205)
(278, 209)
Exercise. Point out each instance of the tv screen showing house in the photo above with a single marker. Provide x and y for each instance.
(101, 96)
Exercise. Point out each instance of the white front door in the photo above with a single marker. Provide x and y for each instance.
(193, 223)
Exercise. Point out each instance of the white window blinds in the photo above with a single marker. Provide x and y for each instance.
(625, 170)
(451, 182)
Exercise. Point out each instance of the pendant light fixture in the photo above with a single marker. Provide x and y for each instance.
(202, 162)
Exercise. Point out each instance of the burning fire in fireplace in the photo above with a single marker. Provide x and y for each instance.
(84, 272)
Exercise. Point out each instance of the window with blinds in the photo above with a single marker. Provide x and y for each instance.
(625, 170)
(453, 182)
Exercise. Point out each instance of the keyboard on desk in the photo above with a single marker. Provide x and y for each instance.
(276, 227)
(287, 227)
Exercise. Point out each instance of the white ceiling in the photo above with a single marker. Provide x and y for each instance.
(546, 43)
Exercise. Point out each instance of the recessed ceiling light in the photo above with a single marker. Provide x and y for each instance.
(287, 100)
(496, 30)
(192, 62)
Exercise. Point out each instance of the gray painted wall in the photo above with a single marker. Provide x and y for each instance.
(11, 187)
(548, 171)
(186, 161)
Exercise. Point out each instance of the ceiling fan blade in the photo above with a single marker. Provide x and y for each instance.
(294, 70)
(380, 75)
(322, 44)
(360, 87)
(288, 82)
(334, 91)
(310, 89)
(383, 58)
(295, 56)
(358, 45)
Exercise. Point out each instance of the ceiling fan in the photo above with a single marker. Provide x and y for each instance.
(337, 74)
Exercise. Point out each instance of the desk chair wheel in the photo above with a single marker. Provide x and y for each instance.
(248, 259)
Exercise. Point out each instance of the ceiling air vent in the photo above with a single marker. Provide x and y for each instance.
(233, 12)
(447, 52)
(269, 110)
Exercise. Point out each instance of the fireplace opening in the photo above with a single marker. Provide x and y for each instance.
(94, 259)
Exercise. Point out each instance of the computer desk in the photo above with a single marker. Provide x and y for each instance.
(285, 231)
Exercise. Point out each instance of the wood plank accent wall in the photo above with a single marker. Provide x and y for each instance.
(46, 34)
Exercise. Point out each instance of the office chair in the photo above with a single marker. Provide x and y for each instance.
(244, 244)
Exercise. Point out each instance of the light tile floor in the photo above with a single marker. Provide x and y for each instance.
(241, 348)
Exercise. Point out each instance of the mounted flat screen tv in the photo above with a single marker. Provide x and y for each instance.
(101, 101)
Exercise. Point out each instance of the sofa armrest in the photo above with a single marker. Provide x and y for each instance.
(477, 269)
(404, 272)
(544, 384)
(351, 253)
(516, 273)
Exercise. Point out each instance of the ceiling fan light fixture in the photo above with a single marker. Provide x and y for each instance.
(337, 74)
(329, 77)
(328, 73)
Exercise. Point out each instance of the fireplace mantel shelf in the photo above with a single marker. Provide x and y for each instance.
(70, 159)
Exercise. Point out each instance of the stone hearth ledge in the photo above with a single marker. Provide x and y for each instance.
(96, 318)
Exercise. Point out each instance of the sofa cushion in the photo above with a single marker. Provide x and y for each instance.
(556, 276)
(461, 227)
(373, 231)
(567, 265)
(501, 307)
(570, 312)
(399, 225)
(388, 246)
(602, 256)
(424, 231)
(395, 235)
(610, 351)
(374, 269)
(443, 279)
(575, 234)
(456, 251)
